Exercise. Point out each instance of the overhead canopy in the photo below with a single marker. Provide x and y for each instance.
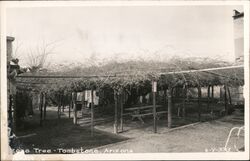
(176, 72)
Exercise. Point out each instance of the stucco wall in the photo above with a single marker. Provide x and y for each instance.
(239, 39)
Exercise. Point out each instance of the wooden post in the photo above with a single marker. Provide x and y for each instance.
(116, 111)
(165, 97)
(225, 100)
(229, 96)
(212, 93)
(208, 97)
(178, 112)
(92, 112)
(10, 118)
(83, 105)
(14, 109)
(121, 113)
(154, 89)
(63, 100)
(41, 109)
(44, 106)
(154, 112)
(70, 104)
(199, 103)
(58, 107)
(74, 108)
(212, 101)
(184, 103)
(169, 93)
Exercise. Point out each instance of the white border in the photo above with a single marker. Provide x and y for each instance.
(246, 73)
(137, 156)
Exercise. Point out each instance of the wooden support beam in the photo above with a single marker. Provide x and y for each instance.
(116, 113)
(208, 97)
(83, 105)
(225, 100)
(58, 107)
(14, 108)
(221, 93)
(212, 101)
(199, 103)
(65, 76)
(41, 109)
(92, 112)
(10, 118)
(184, 102)
(229, 96)
(212, 93)
(74, 108)
(70, 104)
(154, 90)
(121, 113)
(178, 111)
(203, 70)
(165, 97)
(154, 112)
(44, 106)
(169, 93)
(63, 100)
(58, 111)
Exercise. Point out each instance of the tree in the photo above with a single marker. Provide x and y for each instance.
(38, 56)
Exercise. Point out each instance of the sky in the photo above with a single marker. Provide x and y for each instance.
(79, 34)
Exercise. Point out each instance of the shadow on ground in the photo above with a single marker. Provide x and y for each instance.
(61, 136)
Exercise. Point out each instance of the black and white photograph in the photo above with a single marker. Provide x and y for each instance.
(129, 80)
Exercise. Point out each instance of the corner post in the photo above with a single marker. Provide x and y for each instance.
(199, 103)
(225, 100)
(121, 113)
(92, 112)
(41, 109)
(154, 89)
(116, 112)
(208, 97)
(74, 108)
(169, 93)
(44, 106)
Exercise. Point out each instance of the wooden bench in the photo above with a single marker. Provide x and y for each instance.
(141, 111)
(215, 112)
(140, 116)
(141, 107)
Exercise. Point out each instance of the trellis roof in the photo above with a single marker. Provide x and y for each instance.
(176, 72)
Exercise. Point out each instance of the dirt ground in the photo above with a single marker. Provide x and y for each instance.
(136, 137)
(60, 135)
(203, 137)
(209, 136)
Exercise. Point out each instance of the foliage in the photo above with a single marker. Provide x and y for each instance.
(135, 74)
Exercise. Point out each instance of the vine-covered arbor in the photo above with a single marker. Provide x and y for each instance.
(123, 78)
